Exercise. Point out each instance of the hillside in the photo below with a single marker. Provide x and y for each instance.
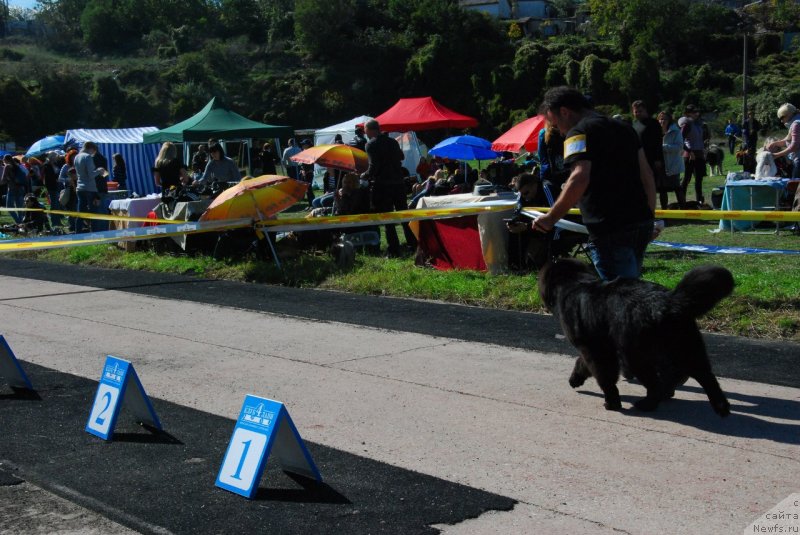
(308, 63)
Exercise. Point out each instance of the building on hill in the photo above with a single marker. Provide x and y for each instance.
(534, 17)
(499, 9)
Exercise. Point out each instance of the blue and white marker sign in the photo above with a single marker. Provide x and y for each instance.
(119, 386)
(264, 427)
(11, 371)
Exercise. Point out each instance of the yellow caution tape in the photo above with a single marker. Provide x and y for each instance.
(386, 218)
(713, 215)
(332, 222)
(86, 215)
(112, 236)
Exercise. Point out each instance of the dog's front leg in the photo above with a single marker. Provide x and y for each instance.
(579, 373)
(606, 373)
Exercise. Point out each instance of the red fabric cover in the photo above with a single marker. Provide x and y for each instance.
(452, 243)
(422, 113)
(525, 134)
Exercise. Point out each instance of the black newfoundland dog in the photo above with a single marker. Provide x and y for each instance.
(647, 327)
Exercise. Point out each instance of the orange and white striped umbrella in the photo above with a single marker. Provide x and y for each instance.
(342, 157)
(257, 198)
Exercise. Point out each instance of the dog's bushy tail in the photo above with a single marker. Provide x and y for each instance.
(702, 288)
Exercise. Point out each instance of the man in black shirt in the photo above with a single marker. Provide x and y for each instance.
(651, 137)
(610, 180)
(385, 176)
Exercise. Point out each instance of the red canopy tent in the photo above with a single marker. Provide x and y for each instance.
(422, 113)
(525, 134)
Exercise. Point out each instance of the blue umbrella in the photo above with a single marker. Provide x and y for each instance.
(45, 144)
(465, 148)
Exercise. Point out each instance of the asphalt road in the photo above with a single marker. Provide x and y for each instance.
(765, 361)
(421, 416)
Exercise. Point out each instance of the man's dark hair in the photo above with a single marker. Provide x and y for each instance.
(564, 97)
(639, 104)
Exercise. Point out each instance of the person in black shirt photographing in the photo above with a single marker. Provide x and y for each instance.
(610, 180)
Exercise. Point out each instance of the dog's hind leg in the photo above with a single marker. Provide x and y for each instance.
(648, 376)
(693, 361)
(579, 373)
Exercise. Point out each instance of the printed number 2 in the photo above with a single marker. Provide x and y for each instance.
(241, 461)
(100, 418)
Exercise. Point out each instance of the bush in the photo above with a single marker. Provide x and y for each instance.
(11, 55)
(769, 43)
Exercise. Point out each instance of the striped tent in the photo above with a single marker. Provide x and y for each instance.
(139, 157)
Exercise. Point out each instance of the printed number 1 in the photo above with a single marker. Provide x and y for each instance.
(100, 418)
(241, 461)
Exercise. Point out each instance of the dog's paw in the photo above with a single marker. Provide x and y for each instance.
(615, 405)
(576, 380)
(646, 404)
(722, 407)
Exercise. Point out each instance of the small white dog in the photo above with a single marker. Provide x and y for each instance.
(765, 164)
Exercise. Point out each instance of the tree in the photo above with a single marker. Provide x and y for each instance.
(592, 80)
(637, 78)
(320, 26)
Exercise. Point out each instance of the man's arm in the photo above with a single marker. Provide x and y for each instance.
(648, 182)
(573, 190)
(371, 155)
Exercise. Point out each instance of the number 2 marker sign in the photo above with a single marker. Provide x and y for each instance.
(119, 386)
(264, 427)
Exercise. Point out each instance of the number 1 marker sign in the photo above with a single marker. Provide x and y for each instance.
(119, 386)
(10, 369)
(264, 427)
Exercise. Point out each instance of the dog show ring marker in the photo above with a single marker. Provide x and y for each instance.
(119, 386)
(264, 427)
(11, 371)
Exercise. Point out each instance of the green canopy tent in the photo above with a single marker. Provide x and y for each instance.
(215, 121)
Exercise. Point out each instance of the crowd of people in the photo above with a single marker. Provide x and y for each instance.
(616, 170)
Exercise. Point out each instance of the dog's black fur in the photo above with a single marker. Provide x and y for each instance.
(651, 329)
(715, 156)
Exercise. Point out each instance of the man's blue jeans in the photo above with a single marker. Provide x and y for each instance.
(15, 198)
(55, 219)
(620, 254)
(86, 204)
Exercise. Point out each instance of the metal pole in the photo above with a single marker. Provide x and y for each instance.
(744, 80)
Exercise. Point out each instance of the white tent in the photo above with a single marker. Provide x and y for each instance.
(407, 140)
(139, 157)
(347, 129)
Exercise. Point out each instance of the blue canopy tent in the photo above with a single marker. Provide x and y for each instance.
(139, 157)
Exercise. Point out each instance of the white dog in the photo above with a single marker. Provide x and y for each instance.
(765, 164)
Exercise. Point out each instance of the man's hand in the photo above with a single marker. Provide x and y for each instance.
(543, 223)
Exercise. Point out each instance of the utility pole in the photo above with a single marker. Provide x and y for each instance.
(746, 21)
(3, 18)
(744, 78)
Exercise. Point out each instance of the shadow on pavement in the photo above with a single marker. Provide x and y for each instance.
(747, 419)
(311, 491)
(152, 436)
(21, 394)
